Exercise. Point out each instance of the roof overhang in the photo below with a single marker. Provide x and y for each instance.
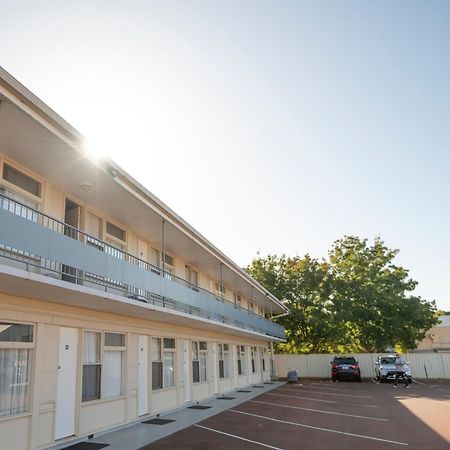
(32, 134)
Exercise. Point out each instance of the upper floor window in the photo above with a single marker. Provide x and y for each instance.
(115, 231)
(24, 208)
(21, 180)
(237, 300)
(168, 260)
(220, 289)
(15, 367)
(191, 275)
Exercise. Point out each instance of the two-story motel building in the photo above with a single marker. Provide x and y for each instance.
(111, 306)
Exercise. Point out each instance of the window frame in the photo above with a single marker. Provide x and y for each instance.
(17, 189)
(114, 239)
(162, 350)
(223, 354)
(253, 355)
(241, 354)
(30, 347)
(197, 360)
(105, 348)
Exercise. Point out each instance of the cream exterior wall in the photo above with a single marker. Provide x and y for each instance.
(36, 429)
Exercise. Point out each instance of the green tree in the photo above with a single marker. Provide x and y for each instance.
(303, 283)
(358, 300)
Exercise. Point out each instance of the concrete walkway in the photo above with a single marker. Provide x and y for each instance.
(137, 435)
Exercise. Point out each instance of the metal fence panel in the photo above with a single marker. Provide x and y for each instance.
(423, 365)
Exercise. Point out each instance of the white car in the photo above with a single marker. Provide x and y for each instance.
(385, 368)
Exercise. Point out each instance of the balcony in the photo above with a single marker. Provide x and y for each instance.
(42, 244)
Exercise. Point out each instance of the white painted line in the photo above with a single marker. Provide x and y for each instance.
(329, 393)
(328, 430)
(320, 411)
(376, 382)
(237, 437)
(320, 400)
(419, 382)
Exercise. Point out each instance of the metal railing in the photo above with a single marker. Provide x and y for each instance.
(78, 276)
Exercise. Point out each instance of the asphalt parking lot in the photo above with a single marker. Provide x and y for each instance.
(319, 414)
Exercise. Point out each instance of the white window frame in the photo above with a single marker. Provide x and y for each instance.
(20, 192)
(224, 356)
(254, 354)
(103, 349)
(163, 349)
(29, 346)
(241, 354)
(197, 355)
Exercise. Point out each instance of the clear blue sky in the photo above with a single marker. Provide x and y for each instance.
(271, 126)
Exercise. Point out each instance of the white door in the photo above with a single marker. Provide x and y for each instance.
(142, 250)
(143, 376)
(234, 364)
(261, 357)
(186, 372)
(67, 380)
(215, 368)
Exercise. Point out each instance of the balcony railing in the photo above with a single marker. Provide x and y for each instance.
(54, 248)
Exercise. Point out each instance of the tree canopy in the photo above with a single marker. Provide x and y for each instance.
(356, 300)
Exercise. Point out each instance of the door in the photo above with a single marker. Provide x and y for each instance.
(143, 376)
(186, 372)
(66, 385)
(142, 250)
(215, 368)
(261, 362)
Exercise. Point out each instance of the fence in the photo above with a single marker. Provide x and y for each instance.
(423, 365)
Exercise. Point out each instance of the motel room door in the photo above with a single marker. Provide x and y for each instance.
(215, 368)
(186, 372)
(143, 375)
(67, 381)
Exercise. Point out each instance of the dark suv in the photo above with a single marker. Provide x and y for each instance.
(345, 368)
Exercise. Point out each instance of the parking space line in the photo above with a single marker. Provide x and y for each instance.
(329, 393)
(320, 411)
(419, 382)
(321, 400)
(374, 381)
(328, 430)
(237, 437)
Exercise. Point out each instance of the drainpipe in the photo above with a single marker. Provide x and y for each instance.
(221, 280)
(164, 246)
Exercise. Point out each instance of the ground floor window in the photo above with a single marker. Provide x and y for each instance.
(163, 363)
(103, 365)
(241, 359)
(15, 367)
(199, 354)
(224, 355)
(253, 354)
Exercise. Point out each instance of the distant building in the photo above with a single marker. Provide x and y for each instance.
(112, 307)
(438, 337)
